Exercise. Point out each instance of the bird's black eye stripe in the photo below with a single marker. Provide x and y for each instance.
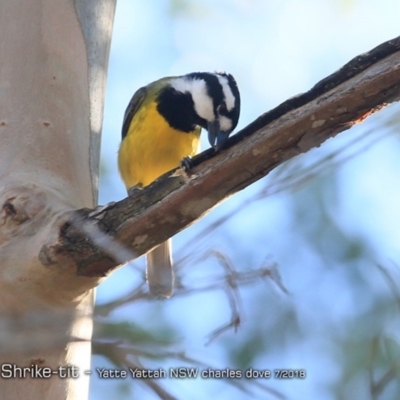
(222, 109)
(214, 88)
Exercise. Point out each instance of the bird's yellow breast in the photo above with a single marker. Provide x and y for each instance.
(151, 147)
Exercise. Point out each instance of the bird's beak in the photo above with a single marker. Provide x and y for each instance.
(216, 138)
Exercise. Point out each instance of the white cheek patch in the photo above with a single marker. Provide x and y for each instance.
(229, 97)
(225, 124)
(203, 103)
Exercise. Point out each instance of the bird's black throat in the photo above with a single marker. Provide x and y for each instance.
(178, 110)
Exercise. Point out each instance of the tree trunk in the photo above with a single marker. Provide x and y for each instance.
(52, 74)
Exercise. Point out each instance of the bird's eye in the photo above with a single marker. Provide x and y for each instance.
(222, 109)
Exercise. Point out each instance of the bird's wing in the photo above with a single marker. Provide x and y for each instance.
(132, 108)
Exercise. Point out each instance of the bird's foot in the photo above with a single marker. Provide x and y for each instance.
(186, 163)
(133, 191)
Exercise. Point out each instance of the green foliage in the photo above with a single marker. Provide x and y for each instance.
(134, 334)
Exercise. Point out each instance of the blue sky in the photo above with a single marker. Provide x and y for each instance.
(275, 50)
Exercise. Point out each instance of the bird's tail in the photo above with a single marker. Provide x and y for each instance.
(160, 275)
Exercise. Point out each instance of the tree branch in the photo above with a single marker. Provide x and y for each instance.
(360, 88)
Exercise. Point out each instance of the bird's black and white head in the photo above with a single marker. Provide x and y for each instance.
(209, 100)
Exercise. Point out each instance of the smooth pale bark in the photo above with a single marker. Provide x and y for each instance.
(52, 73)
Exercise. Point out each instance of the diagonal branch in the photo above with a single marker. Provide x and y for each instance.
(176, 200)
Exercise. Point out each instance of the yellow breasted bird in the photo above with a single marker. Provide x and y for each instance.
(161, 127)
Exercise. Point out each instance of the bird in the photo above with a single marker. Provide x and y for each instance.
(161, 128)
